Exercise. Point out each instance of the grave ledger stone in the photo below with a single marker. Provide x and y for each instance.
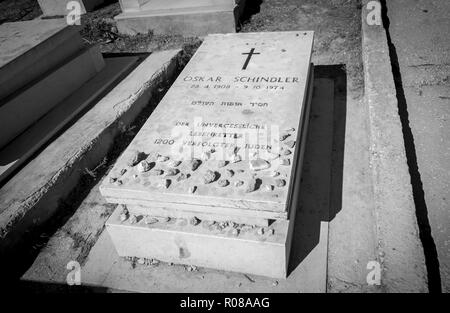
(212, 177)
(47, 76)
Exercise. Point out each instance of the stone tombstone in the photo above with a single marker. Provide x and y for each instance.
(35, 57)
(65, 7)
(185, 17)
(224, 138)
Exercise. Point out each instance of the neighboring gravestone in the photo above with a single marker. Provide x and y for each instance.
(47, 76)
(28, 49)
(222, 147)
(186, 17)
(43, 61)
(64, 7)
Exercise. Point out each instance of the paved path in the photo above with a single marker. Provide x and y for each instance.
(420, 33)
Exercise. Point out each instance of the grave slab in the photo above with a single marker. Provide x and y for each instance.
(22, 147)
(240, 100)
(31, 102)
(189, 17)
(29, 49)
(257, 250)
(59, 7)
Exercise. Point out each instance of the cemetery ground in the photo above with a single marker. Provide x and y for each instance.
(354, 237)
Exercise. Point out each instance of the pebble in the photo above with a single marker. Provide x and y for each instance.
(210, 223)
(166, 183)
(150, 220)
(271, 231)
(135, 176)
(156, 172)
(209, 177)
(275, 283)
(154, 262)
(118, 182)
(235, 158)
(290, 143)
(165, 219)
(112, 180)
(268, 188)
(229, 173)
(290, 129)
(141, 261)
(195, 163)
(206, 156)
(134, 159)
(172, 172)
(274, 174)
(162, 158)
(143, 166)
(174, 163)
(123, 171)
(280, 182)
(133, 219)
(222, 163)
(223, 182)
(251, 185)
(260, 231)
(259, 164)
(235, 232)
(192, 189)
(182, 176)
(285, 152)
(284, 136)
(285, 162)
(195, 221)
(123, 217)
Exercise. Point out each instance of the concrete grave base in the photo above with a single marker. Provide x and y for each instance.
(180, 242)
(190, 18)
(261, 251)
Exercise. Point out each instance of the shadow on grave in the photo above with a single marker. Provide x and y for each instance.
(250, 8)
(321, 184)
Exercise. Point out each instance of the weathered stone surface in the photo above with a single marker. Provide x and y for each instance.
(234, 90)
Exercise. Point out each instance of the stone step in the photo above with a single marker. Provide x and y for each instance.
(22, 147)
(178, 241)
(29, 104)
(29, 49)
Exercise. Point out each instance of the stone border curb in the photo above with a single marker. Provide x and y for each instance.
(400, 250)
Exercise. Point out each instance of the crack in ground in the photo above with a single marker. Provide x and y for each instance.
(429, 247)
